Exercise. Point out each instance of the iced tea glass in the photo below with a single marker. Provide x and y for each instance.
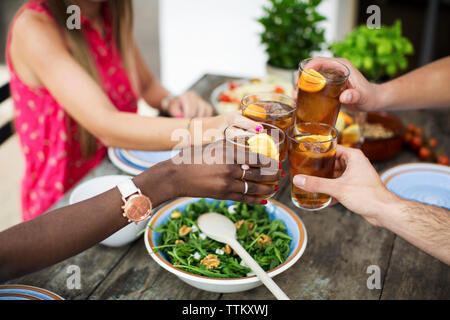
(239, 138)
(273, 108)
(312, 151)
(320, 83)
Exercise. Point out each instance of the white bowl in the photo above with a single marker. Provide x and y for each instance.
(295, 228)
(94, 187)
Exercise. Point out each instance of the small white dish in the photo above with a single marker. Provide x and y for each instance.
(94, 187)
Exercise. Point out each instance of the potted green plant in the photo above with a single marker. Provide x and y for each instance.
(380, 54)
(291, 34)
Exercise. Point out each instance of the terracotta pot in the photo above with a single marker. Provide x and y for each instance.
(383, 149)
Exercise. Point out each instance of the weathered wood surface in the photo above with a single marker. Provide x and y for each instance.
(341, 245)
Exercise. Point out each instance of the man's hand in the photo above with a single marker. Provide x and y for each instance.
(357, 185)
(189, 105)
(361, 94)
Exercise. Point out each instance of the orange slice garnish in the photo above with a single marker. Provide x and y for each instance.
(262, 143)
(311, 81)
(315, 146)
(253, 110)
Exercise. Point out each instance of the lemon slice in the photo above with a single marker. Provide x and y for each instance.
(311, 81)
(351, 135)
(262, 143)
(348, 119)
(254, 110)
(340, 123)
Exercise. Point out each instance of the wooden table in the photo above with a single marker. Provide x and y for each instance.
(341, 245)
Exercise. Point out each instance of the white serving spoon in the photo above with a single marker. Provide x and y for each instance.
(218, 227)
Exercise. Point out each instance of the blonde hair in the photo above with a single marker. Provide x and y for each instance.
(121, 12)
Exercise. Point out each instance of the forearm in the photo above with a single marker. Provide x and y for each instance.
(66, 231)
(426, 227)
(426, 87)
(157, 133)
(154, 93)
(151, 89)
(132, 131)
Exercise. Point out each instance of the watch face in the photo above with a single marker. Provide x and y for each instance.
(138, 207)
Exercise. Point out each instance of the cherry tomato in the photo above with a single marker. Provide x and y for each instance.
(279, 90)
(418, 132)
(432, 142)
(416, 142)
(232, 85)
(443, 159)
(410, 127)
(424, 153)
(224, 98)
(407, 137)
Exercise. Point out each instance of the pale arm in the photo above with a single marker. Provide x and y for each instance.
(424, 226)
(359, 188)
(426, 87)
(42, 49)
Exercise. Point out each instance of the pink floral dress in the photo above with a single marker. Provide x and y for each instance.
(48, 136)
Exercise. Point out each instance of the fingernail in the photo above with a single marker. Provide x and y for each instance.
(277, 188)
(279, 165)
(299, 180)
(259, 128)
(282, 173)
(264, 201)
(179, 115)
(245, 167)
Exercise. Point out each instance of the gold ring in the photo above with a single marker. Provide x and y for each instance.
(244, 168)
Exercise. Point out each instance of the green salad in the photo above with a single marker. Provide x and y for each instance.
(187, 248)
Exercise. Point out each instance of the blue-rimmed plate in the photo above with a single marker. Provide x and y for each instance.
(135, 161)
(423, 182)
(23, 292)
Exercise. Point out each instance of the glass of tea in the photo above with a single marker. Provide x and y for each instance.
(312, 151)
(267, 142)
(273, 108)
(350, 126)
(320, 83)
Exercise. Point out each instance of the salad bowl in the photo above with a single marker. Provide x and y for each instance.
(294, 228)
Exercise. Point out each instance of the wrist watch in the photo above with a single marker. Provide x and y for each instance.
(136, 206)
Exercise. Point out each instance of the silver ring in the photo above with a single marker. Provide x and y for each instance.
(245, 187)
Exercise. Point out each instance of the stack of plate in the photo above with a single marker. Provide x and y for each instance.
(423, 182)
(21, 292)
(136, 161)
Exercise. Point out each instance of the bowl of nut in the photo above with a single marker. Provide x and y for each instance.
(272, 234)
(382, 136)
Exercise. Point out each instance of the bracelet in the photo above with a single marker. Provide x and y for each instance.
(188, 127)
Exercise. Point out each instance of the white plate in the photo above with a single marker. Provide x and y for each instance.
(94, 187)
(423, 182)
(121, 164)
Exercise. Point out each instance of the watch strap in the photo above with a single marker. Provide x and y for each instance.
(127, 188)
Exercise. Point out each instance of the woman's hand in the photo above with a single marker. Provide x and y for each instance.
(189, 105)
(215, 171)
